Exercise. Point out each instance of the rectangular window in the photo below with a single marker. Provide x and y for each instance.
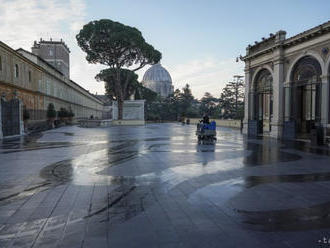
(16, 72)
(30, 77)
(0, 63)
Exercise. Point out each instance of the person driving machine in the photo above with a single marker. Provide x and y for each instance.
(206, 119)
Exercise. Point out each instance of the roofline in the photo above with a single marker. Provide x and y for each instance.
(298, 38)
(41, 68)
(51, 42)
(48, 64)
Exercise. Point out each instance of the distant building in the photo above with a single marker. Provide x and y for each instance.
(55, 53)
(38, 82)
(159, 80)
(287, 84)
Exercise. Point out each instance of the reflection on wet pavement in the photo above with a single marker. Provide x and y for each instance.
(267, 154)
(75, 186)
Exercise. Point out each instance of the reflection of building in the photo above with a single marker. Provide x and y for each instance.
(159, 80)
(37, 81)
(287, 84)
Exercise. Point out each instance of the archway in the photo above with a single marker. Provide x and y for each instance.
(263, 92)
(305, 102)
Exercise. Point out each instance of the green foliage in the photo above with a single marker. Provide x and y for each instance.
(209, 105)
(183, 104)
(145, 94)
(116, 45)
(70, 113)
(232, 100)
(26, 114)
(51, 112)
(129, 82)
(179, 104)
(63, 112)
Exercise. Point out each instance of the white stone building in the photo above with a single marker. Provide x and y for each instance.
(287, 84)
(159, 80)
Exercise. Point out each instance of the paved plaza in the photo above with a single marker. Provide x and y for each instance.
(155, 186)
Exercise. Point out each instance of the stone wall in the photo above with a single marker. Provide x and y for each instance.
(39, 84)
(133, 110)
(220, 123)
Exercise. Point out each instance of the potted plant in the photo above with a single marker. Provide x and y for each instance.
(70, 116)
(26, 117)
(51, 114)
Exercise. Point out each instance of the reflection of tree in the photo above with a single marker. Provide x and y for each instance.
(121, 153)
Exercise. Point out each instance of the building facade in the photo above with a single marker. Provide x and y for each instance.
(158, 80)
(55, 53)
(37, 83)
(287, 84)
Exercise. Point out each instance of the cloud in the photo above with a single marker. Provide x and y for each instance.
(205, 74)
(24, 21)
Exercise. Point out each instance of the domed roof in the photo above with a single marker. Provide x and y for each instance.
(157, 73)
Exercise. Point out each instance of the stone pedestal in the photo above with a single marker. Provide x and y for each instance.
(132, 110)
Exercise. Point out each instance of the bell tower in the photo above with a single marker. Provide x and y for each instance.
(55, 53)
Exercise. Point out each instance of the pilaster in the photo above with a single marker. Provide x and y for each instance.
(246, 102)
(21, 122)
(1, 134)
(325, 100)
(278, 79)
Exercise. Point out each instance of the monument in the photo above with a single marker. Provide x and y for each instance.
(133, 113)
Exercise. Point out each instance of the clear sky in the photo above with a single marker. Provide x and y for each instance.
(199, 39)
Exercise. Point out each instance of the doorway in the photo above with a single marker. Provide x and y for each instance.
(264, 101)
(306, 96)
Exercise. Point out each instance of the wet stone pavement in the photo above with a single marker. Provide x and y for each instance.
(155, 186)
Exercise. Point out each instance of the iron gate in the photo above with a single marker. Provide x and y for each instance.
(10, 116)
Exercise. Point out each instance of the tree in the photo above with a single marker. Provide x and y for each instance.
(118, 46)
(208, 104)
(51, 112)
(185, 100)
(146, 94)
(129, 82)
(232, 99)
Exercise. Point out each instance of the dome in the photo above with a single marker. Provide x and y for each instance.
(157, 73)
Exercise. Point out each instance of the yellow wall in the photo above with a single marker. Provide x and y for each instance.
(45, 86)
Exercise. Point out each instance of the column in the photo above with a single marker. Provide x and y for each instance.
(325, 102)
(278, 79)
(21, 121)
(247, 102)
(1, 134)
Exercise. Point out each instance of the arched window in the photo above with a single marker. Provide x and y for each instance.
(264, 82)
(16, 71)
(306, 71)
(305, 103)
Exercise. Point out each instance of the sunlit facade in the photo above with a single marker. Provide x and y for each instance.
(287, 84)
(37, 83)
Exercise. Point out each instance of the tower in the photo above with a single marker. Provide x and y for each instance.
(55, 53)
